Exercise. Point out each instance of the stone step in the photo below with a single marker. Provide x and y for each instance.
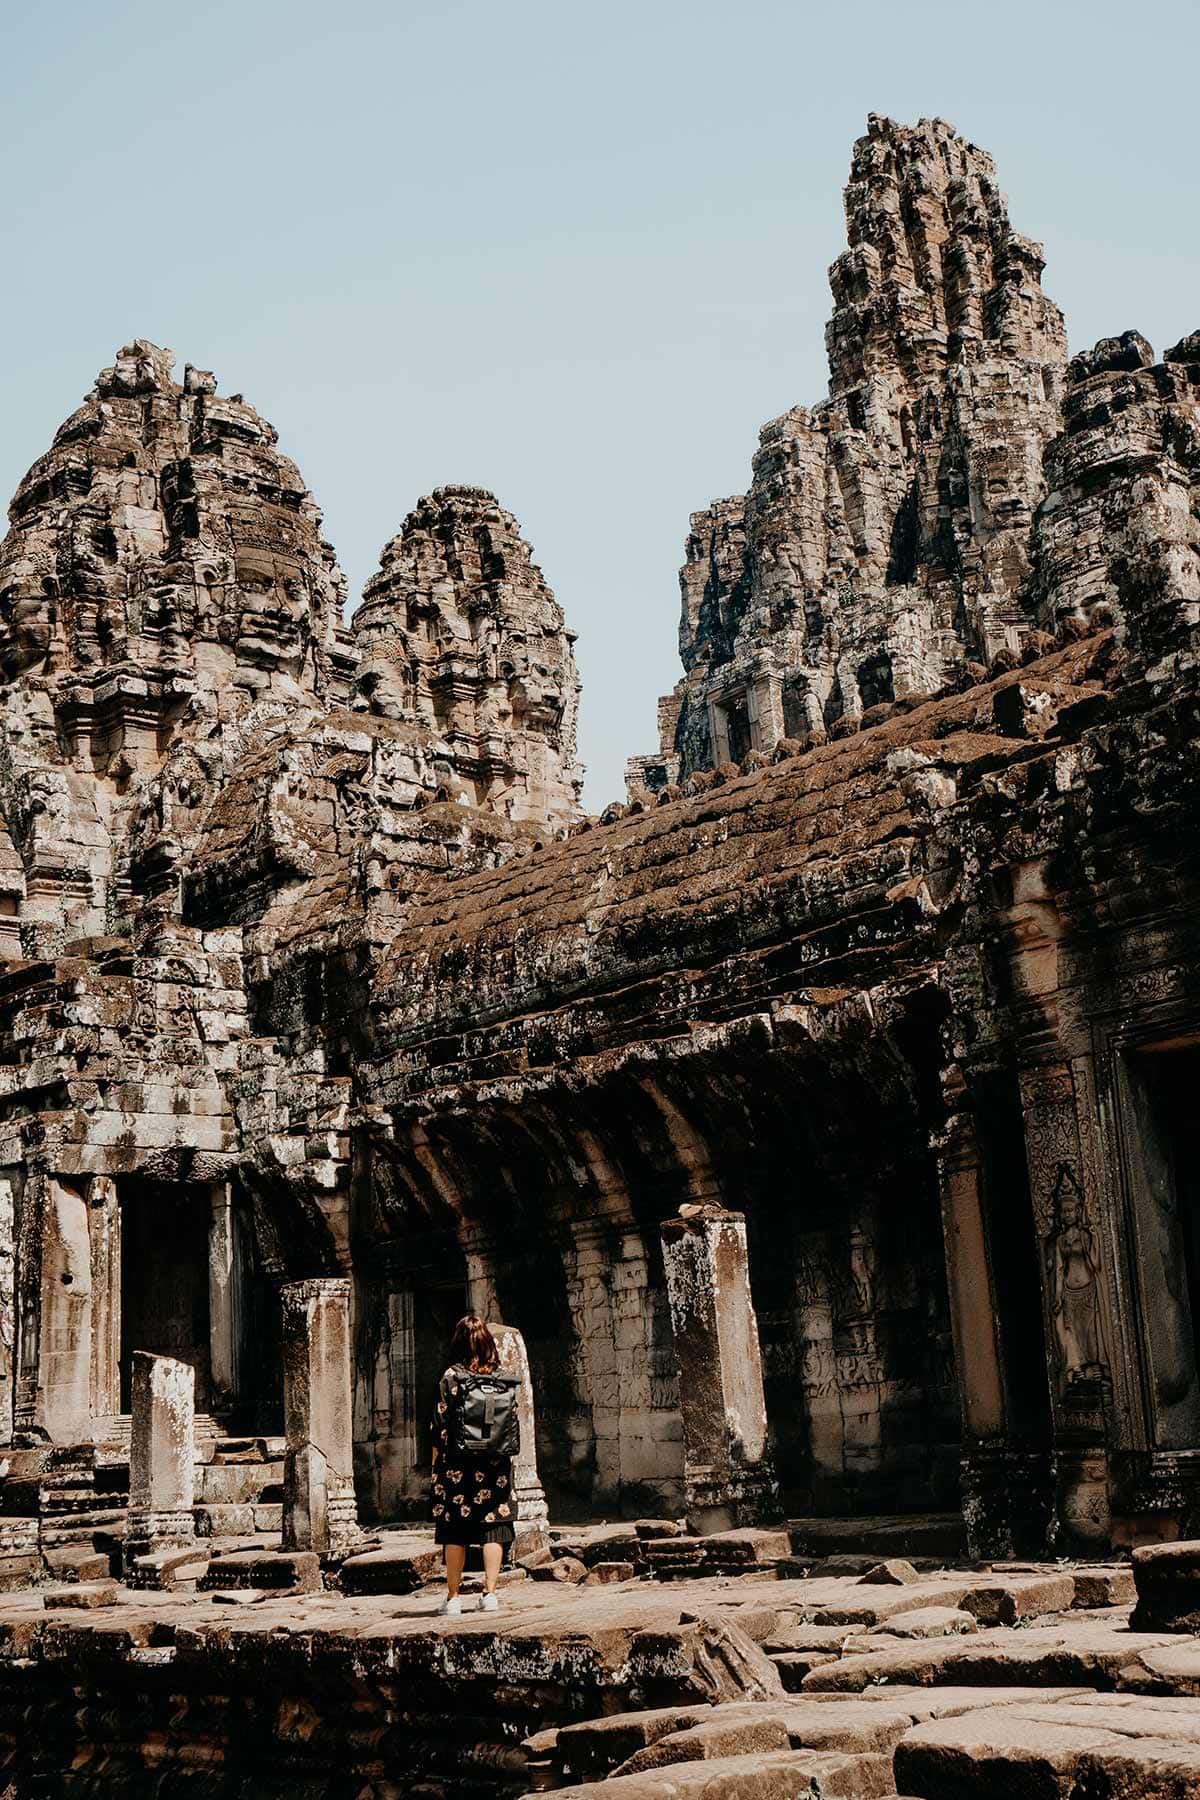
(82, 1527)
(777, 1775)
(405, 1562)
(1101, 1744)
(114, 1430)
(238, 1520)
(76, 1562)
(938, 1535)
(279, 1571)
(723, 1553)
(239, 1483)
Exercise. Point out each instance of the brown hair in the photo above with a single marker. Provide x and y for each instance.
(473, 1346)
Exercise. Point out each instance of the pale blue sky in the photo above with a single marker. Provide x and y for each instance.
(573, 254)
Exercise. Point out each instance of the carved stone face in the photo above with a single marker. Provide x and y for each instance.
(535, 684)
(273, 623)
(28, 618)
(384, 685)
(167, 611)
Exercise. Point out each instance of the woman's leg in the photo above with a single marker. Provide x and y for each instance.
(456, 1558)
(493, 1556)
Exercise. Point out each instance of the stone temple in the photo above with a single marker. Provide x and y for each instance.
(815, 1123)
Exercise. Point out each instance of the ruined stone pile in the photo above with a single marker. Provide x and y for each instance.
(962, 491)
(820, 1122)
(895, 1681)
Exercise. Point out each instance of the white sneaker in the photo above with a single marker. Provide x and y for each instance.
(488, 1603)
(450, 1608)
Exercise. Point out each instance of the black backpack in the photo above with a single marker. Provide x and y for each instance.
(483, 1415)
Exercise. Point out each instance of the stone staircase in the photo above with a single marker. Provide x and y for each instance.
(63, 1508)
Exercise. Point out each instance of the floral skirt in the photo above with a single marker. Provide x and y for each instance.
(472, 1500)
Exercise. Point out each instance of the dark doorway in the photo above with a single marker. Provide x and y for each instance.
(164, 1278)
(737, 727)
(1013, 1254)
(1163, 1153)
(436, 1311)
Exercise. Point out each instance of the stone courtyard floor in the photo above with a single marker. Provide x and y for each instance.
(1014, 1680)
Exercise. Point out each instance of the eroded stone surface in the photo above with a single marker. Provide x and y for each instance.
(459, 631)
(314, 978)
(611, 1687)
(884, 541)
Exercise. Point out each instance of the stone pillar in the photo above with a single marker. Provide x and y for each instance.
(398, 1396)
(8, 1306)
(223, 1298)
(319, 1510)
(728, 1478)
(162, 1455)
(986, 1472)
(533, 1516)
(104, 1228)
(54, 1379)
(1080, 1317)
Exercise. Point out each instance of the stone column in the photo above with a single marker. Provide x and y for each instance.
(533, 1516)
(1077, 1290)
(986, 1473)
(8, 1307)
(104, 1227)
(319, 1510)
(728, 1478)
(223, 1298)
(162, 1455)
(54, 1382)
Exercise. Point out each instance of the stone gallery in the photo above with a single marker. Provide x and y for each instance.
(815, 1122)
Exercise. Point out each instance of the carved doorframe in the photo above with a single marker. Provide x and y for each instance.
(1117, 1038)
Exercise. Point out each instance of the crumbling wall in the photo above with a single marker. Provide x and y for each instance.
(883, 544)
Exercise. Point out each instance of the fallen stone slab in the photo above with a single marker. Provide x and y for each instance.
(179, 1567)
(293, 1571)
(595, 1747)
(926, 1622)
(875, 1605)
(562, 1568)
(400, 1566)
(758, 1622)
(740, 1730)
(1081, 1653)
(1167, 1716)
(75, 1562)
(729, 1732)
(795, 1666)
(239, 1596)
(607, 1574)
(939, 1535)
(747, 1547)
(1174, 1669)
(1056, 1752)
(1104, 1587)
(223, 1521)
(672, 1559)
(623, 1548)
(1167, 1579)
(851, 1565)
(893, 1573)
(782, 1775)
(658, 1528)
(1003, 1602)
(804, 1637)
(82, 1595)
(922, 1704)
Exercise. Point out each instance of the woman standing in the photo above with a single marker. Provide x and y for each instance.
(472, 1501)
